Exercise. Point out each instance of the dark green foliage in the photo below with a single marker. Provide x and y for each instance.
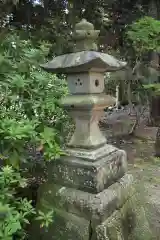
(14, 212)
(17, 212)
(145, 35)
(30, 111)
(30, 117)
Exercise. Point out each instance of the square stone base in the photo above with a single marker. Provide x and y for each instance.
(89, 175)
(114, 214)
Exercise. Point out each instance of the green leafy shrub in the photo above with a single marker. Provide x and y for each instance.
(31, 121)
(30, 111)
(14, 211)
(144, 35)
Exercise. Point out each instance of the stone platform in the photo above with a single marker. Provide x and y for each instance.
(92, 199)
(113, 214)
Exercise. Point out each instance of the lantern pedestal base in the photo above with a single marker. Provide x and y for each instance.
(90, 175)
(113, 214)
(92, 199)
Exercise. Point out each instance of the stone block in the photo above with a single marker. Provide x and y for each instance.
(89, 176)
(127, 223)
(113, 214)
(148, 133)
(111, 229)
(93, 207)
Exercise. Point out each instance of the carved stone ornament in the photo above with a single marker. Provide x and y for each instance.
(85, 37)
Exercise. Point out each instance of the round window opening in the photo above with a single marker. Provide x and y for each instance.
(96, 82)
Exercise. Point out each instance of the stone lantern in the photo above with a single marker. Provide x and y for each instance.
(85, 70)
(89, 189)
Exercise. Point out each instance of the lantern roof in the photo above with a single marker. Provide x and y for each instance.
(84, 61)
(85, 56)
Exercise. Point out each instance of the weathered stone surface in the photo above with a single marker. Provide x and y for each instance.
(111, 229)
(114, 214)
(128, 223)
(86, 111)
(87, 102)
(84, 61)
(87, 134)
(89, 176)
(91, 154)
(94, 207)
(85, 36)
(148, 133)
(87, 83)
(65, 226)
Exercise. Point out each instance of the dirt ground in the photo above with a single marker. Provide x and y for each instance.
(146, 170)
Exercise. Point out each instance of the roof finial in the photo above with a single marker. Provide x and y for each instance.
(85, 36)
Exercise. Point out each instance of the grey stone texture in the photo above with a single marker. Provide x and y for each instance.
(126, 223)
(74, 62)
(116, 213)
(86, 175)
(86, 110)
(92, 200)
(65, 226)
(91, 154)
(94, 207)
